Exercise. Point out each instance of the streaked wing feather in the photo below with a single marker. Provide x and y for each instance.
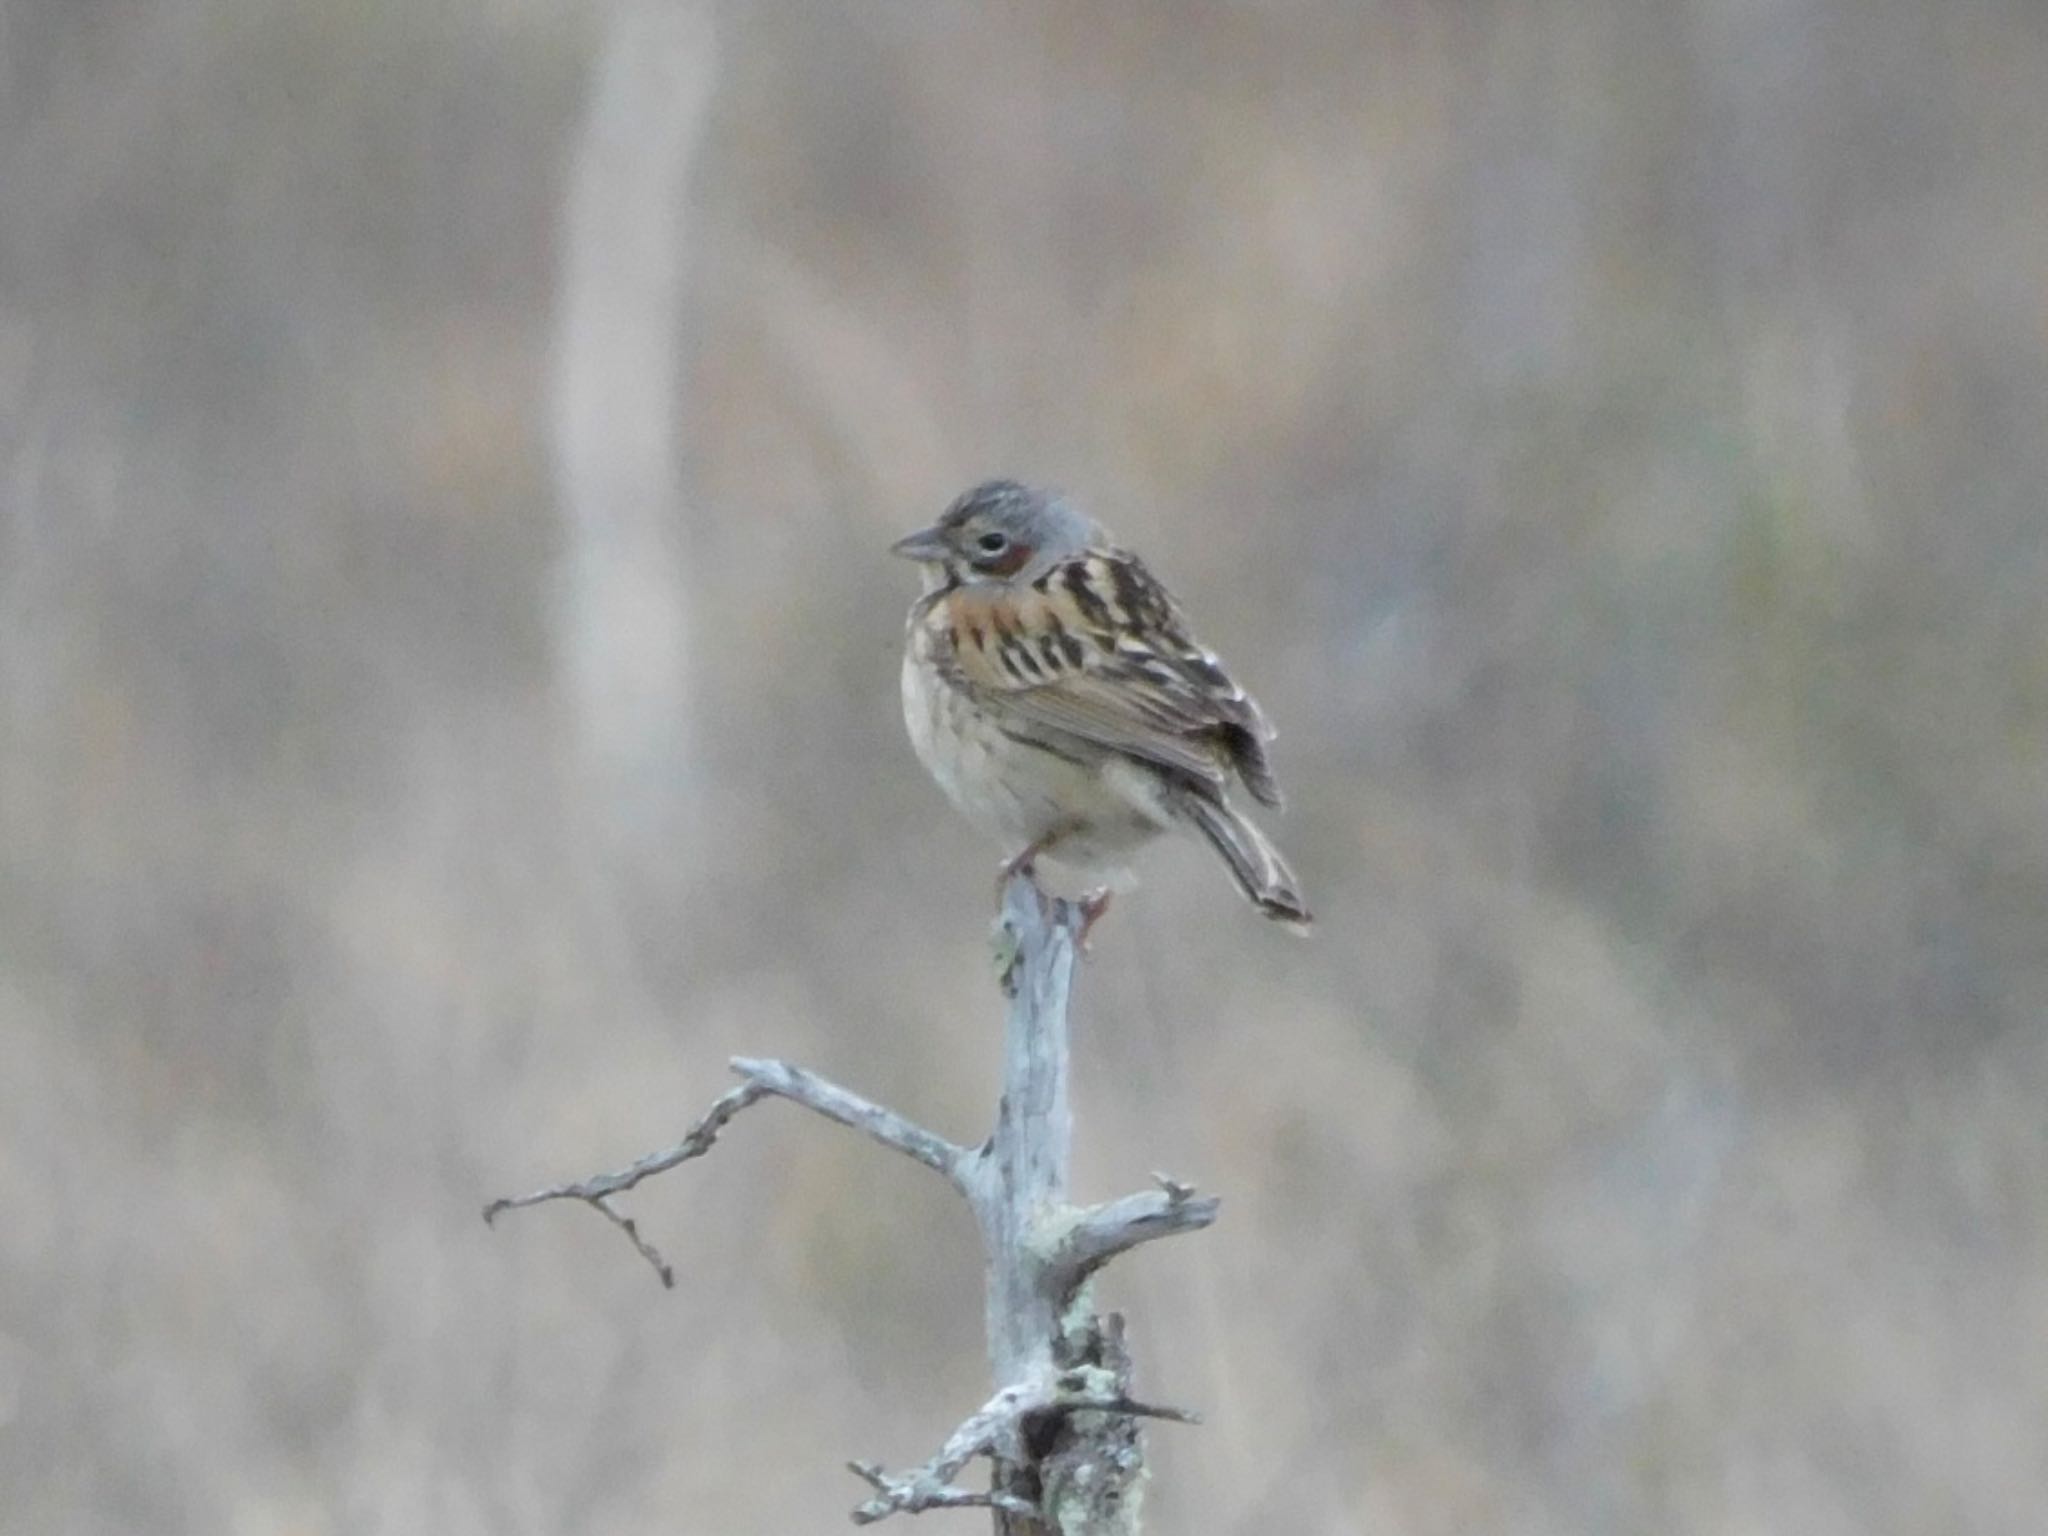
(1113, 716)
(1098, 650)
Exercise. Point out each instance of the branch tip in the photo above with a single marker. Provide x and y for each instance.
(1176, 1191)
(914, 1495)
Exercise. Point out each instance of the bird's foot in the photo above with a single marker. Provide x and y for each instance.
(1018, 863)
(1093, 905)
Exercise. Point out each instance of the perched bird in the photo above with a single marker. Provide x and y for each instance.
(1052, 688)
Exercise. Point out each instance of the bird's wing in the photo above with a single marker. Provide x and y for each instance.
(1097, 649)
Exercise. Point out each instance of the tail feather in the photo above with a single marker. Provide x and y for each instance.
(1261, 873)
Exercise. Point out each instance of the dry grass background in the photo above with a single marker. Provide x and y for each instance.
(1608, 435)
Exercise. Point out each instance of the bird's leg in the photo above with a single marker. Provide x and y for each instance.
(1093, 905)
(1019, 863)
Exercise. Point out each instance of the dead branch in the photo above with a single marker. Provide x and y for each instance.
(1060, 1431)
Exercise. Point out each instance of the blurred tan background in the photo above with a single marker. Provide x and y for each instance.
(448, 705)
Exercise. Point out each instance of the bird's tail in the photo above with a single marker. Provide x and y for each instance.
(1261, 873)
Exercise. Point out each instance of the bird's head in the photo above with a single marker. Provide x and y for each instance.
(1000, 532)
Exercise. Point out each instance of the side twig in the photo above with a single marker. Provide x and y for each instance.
(764, 1079)
(997, 1430)
(824, 1097)
(598, 1191)
(1101, 1232)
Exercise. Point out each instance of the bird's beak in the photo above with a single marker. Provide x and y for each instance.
(927, 544)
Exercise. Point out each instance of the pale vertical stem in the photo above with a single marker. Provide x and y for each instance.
(616, 392)
(1018, 1181)
(1023, 1173)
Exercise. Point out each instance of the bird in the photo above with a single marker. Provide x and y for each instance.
(1052, 687)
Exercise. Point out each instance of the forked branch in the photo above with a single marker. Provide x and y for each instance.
(997, 1430)
(1060, 1431)
(764, 1079)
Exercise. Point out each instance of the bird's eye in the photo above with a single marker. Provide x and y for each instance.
(993, 543)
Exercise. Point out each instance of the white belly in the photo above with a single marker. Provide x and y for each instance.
(1096, 813)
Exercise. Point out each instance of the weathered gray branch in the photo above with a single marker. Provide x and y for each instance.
(598, 1191)
(1101, 1232)
(997, 1430)
(1018, 1180)
(1061, 1429)
(850, 1109)
(763, 1079)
